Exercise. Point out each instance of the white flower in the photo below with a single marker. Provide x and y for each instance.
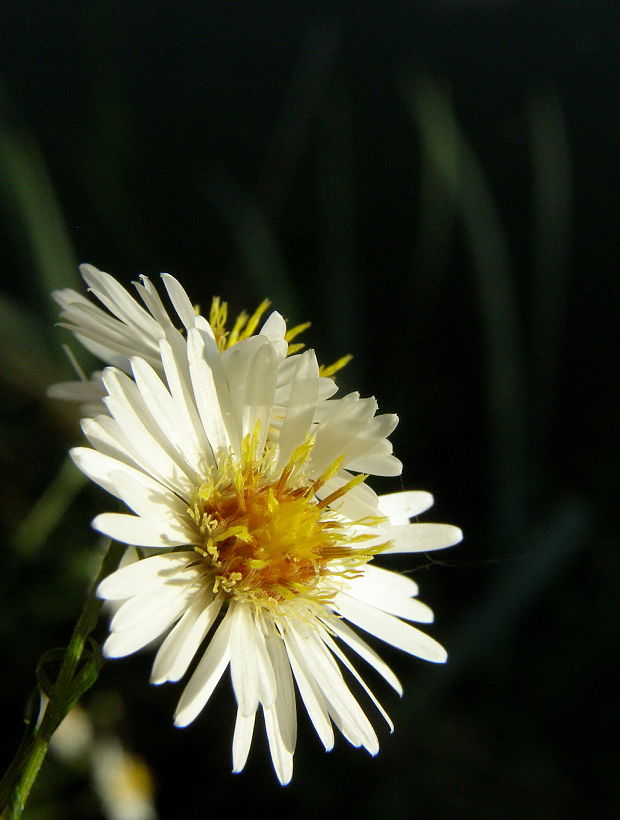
(123, 782)
(239, 473)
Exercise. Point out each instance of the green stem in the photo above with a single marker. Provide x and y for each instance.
(70, 685)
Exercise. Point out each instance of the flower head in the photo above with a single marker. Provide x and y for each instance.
(247, 481)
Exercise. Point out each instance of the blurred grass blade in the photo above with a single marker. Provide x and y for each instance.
(439, 144)
(293, 128)
(28, 360)
(337, 280)
(255, 241)
(32, 534)
(35, 213)
(432, 111)
(552, 217)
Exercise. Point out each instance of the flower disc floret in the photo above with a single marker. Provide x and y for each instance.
(270, 540)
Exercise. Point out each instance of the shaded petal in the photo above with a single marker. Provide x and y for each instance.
(206, 675)
(400, 507)
(242, 739)
(352, 639)
(143, 532)
(422, 537)
(390, 629)
(310, 693)
(144, 575)
(281, 758)
(181, 644)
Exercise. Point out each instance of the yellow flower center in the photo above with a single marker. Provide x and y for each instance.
(267, 538)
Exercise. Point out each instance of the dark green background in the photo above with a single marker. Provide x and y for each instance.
(432, 184)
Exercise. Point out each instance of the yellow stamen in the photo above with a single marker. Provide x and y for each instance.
(267, 538)
(331, 369)
(293, 332)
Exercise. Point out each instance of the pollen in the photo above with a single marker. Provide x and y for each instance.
(268, 539)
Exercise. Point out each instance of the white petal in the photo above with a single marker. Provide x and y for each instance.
(181, 644)
(400, 507)
(144, 575)
(152, 604)
(206, 675)
(335, 649)
(397, 582)
(343, 707)
(250, 666)
(384, 464)
(301, 407)
(281, 758)
(352, 639)
(143, 532)
(136, 420)
(390, 629)
(148, 293)
(126, 641)
(171, 422)
(146, 497)
(423, 537)
(285, 699)
(242, 740)
(275, 329)
(180, 300)
(118, 301)
(205, 392)
(259, 389)
(310, 693)
(359, 502)
(176, 369)
(382, 590)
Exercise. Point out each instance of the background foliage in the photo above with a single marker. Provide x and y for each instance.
(433, 185)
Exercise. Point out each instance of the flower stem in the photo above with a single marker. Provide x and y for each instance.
(78, 672)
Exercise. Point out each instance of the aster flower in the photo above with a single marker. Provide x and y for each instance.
(247, 484)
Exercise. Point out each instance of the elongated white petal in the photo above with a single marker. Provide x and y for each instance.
(170, 420)
(352, 639)
(242, 740)
(281, 757)
(390, 629)
(400, 507)
(144, 575)
(250, 667)
(275, 330)
(335, 649)
(181, 644)
(343, 707)
(384, 590)
(423, 537)
(205, 392)
(143, 532)
(310, 693)
(259, 389)
(151, 604)
(206, 675)
(180, 300)
(285, 699)
(301, 406)
(176, 370)
(132, 414)
(118, 301)
(142, 632)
